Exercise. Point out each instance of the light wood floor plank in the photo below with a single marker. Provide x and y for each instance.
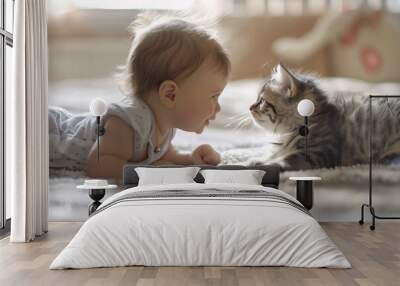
(374, 255)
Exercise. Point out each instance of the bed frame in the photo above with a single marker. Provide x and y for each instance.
(270, 179)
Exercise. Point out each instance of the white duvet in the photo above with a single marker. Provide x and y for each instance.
(200, 231)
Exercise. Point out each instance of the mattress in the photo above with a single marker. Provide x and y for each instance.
(198, 225)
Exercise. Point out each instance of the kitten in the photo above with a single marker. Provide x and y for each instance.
(338, 129)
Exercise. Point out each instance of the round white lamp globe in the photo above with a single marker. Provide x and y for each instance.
(305, 107)
(98, 107)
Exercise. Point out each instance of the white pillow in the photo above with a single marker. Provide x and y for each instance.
(163, 176)
(248, 177)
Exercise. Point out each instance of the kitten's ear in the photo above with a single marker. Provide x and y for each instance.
(286, 79)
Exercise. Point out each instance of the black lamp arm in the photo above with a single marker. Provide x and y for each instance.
(100, 131)
(304, 131)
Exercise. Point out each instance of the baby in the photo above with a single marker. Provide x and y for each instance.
(174, 74)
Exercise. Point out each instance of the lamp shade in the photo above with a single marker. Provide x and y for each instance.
(305, 107)
(98, 107)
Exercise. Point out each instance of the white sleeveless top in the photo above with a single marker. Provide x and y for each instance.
(71, 136)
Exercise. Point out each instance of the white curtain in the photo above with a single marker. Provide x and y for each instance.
(27, 123)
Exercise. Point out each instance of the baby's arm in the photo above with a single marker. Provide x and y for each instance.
(203, 154)
(116, 148)
(173, 157)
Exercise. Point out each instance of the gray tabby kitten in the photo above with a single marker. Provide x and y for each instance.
(338, 129)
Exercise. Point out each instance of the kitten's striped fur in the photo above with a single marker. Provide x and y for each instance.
(339, 127)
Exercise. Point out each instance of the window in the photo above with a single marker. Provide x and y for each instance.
(138, 4)
(6, 44)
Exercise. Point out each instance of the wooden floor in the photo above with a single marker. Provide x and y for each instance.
(374, 255)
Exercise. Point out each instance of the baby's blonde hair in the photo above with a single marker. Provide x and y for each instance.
(168, 48)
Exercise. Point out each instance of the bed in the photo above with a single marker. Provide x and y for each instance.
(198, 224)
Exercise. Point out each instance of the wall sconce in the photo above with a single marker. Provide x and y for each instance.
(98, 107)
(305, 108)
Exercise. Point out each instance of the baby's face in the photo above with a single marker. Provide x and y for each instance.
(197, 98)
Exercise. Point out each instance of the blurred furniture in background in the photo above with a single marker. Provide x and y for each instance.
(362, 44)
(91, 43)
(249, 40)
(94, 42)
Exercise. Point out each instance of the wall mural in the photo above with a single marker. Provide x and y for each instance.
(176, 94)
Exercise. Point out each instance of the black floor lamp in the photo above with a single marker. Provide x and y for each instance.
(369, 205)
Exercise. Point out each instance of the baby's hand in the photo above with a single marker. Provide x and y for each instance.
(205, 154)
